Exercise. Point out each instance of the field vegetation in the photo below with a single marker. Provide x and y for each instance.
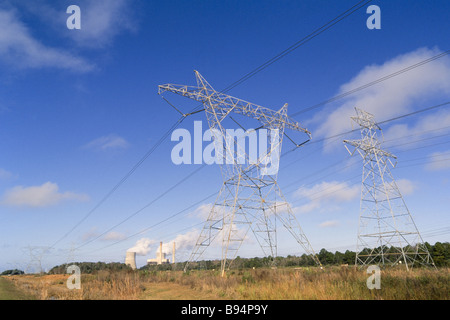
(337, 283)
(295, 277)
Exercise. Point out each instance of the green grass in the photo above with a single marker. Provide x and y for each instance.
(8, 291)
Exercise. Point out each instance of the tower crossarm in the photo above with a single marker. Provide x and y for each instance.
(225, 104)
(368, 146)
(250, 193)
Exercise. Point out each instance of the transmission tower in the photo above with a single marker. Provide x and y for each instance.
(387, 234)
(250, 198)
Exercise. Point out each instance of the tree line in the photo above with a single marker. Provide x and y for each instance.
(90, 267)
(440, 252)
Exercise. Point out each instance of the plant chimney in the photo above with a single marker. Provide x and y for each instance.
(173, 253)
(130, 259)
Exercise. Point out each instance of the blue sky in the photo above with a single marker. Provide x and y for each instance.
(79, 108)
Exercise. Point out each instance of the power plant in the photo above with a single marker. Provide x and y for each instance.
(161, 256)
(130, 258)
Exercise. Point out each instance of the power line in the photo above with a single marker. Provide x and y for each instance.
(146, 206)
(158, 223)
(381, 122)
(198, 202)
(423, 147)
(367, 85)
(234, 84)
(417, 133)
(392, 146)
(416, 112)
(304, 40)
(419, 140)
(301, 42)
(354, 163)
(124, 178)
(201, 201)
(342, 187)
(295, 46)
(197, 170)
(290, 184)
(249, 75)
(428, 162)
(429, 157)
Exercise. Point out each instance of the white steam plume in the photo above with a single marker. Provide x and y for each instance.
(142, 246)
(182, 242)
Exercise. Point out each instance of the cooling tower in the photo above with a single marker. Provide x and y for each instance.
(130, 259)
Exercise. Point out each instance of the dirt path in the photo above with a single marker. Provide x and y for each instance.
(174, 291)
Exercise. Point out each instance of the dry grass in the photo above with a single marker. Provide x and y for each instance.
(261, 284)
(312, 283)
(103, 286)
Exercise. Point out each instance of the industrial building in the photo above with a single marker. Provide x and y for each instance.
(130, 258)
(161, 256)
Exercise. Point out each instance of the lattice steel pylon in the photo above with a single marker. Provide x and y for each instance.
(387, 234)
(250, 198)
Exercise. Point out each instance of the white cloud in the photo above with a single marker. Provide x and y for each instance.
(328, 224)
(405, 186)
(92, 233)
(334, 190)
(390, 98)
(311, 206)
(109, 142)
(404, 136)
(185, 241)
(113, 235)
(282, 208)
(20, 49)
(4, 174)
(325, 193)
(102, 21)
(39, 196)
(439, 161)
(142, 246)
(202, 211)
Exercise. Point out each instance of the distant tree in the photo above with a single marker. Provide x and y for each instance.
(339, 257)
(12, 272)
(349, 257)
(439, 254)
(90, 267)
(326, 257)
(238, 262)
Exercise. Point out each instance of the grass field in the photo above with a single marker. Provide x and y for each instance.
(337, 283)
(8, 291)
